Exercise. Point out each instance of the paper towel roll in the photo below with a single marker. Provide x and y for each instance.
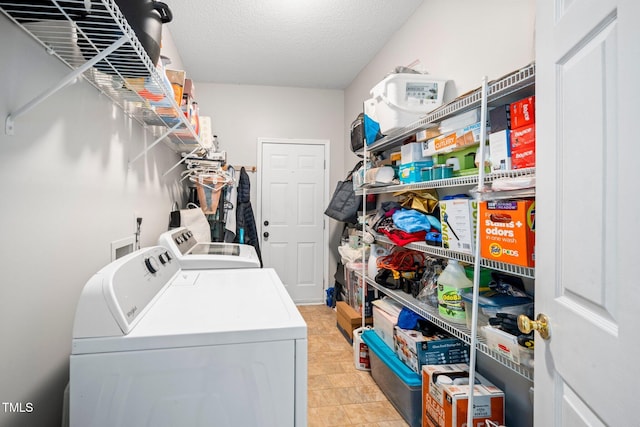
(383, 174)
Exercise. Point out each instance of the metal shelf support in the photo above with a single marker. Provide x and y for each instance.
(9, 122)
(157, 141)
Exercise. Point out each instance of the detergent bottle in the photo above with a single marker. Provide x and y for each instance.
(452, 282)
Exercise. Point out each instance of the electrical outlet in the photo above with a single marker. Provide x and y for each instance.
(122, 247)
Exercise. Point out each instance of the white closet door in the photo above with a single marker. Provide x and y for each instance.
(588, 234)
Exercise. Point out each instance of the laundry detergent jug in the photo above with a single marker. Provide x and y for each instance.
(452, 282)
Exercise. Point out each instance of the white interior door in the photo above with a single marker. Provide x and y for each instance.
(293, 187)
(588, 234)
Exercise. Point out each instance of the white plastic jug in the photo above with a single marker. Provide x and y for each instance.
(376, 252)
(360, 350)
(451, 283)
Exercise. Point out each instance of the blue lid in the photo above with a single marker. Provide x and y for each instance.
(382, 350)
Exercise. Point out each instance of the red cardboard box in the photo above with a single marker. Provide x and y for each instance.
(523, 147)
(508, 231)
(444, 400)
(523, 112)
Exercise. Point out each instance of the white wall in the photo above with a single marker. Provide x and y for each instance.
(66, 192)
(462, 40)
(241, 114)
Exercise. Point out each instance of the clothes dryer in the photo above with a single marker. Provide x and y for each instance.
(182, 245)
(155, 345)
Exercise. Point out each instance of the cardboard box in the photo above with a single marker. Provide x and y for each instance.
(459, 219)
(460, 121)
(523, 147)
(445, 395)
(423, 135)
(508, 231)
(523, 112)
(469, 135)
(384, 325)
(500, 149)
(444, 142)
(411, 152)
(500, 118)
(347, 320)
(176, 77)
(506, 345)
(412, 172)
(417, 350)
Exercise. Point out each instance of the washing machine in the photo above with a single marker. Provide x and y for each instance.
(156, 345)
(182, 245)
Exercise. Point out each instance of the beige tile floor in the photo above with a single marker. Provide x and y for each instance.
(340, 394)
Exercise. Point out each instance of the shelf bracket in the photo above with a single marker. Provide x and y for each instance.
(9, 122)
(163, 136)
(181, 160)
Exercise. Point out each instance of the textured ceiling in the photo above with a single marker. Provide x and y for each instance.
(299, 43)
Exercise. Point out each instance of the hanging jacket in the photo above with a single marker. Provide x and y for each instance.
(231, 196)
(244, 214)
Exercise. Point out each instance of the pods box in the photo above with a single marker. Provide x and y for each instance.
(444, 402)
(508, 231)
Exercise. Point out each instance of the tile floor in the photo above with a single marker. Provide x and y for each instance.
(340, 394)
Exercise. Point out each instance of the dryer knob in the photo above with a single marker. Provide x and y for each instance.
(151, 265)
(163, 259)
(169, 258)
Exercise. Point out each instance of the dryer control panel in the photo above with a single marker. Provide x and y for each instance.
(118, 295)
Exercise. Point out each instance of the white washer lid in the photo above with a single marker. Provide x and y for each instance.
(210, 307)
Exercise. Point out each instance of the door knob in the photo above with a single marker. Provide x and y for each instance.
(265, 234)
(541, 324)
(266, 223)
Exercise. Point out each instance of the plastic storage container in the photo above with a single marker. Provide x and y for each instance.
(452, 283)
(403, 98)
(401, 385)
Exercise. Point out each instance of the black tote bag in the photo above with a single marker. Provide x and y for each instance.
(344, 204)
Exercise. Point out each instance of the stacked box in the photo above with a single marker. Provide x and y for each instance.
(523, 112)
(417, 350)
(523, 147)
(347, 320)
(445, 391)
(523, 133)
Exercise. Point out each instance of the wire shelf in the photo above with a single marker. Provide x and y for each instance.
(126, 75)
(503, 90)
(527, 272)
(459, 331)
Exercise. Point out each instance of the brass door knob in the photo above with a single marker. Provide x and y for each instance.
(541, 324)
